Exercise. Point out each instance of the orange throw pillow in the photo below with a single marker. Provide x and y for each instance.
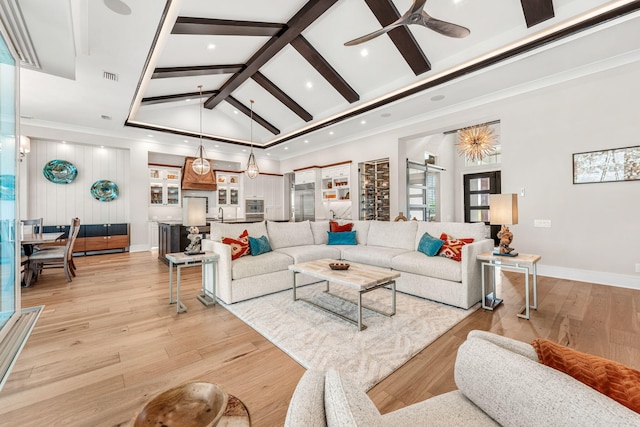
(612, 379)
(452, 247)
(239, 246)
(334, 227)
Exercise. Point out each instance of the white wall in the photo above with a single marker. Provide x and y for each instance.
(594, 226)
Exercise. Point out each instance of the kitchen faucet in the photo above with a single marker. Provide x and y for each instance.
(333, 214)
(221, 214)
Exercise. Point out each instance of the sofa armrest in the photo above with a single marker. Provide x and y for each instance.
(306, 408)
(515, 390)
(223, 274)
(510, 344)
(471, 271)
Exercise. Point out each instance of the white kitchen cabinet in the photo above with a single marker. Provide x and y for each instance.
(228, 189)
(153, 234)
(335, 183)
(307, 176)
(274, 197)
(164, 186)
(254, 188)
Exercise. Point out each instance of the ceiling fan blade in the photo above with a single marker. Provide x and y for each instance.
(417, 6)
(444, 28)
(374, 34)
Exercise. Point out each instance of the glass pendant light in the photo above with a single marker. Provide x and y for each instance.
(201, 165)
(252, 167)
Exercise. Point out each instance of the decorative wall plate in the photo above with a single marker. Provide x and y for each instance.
(104, 190)
(60, 172)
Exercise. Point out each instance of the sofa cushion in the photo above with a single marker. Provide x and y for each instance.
(259, 246)
(334, 227)
(239, 245)
(319, 230)
(362, 230)
(249, 266)
(371, 255)
(429, 245)
(346, 405)
(400, 235)
(475, 230)
(311, 252)
(219, 230)
(342, 238)
(286, 234)
(436, 267)
(610, 378)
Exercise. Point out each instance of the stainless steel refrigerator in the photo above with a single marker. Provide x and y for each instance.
(305, 202)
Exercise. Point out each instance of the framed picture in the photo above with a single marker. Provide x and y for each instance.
(618, 164)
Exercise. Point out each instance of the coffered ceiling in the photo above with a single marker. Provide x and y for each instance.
(135, 66)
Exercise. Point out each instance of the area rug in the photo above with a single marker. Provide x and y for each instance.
(319, 340)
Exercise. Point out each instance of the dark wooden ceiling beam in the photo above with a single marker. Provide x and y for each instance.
(537, 11)
(311, 11)
(386, 13)
(176, 97)
(256, 118)
(201, 70)
(277, 93)
(224, 27)
(325, 69)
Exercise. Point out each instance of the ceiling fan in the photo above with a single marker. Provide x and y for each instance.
(416, 15)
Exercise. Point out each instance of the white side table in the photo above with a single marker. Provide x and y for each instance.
(180, 259)
(525, 263)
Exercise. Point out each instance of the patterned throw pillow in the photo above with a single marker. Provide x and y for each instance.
(239, 246)
(334, 227)
(452, 247)
(613, 379)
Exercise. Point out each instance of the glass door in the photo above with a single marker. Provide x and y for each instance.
(423, 195)
(477, 188)
(9, 246)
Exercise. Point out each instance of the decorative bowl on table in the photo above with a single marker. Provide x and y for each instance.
(193, 404)
(339, 265)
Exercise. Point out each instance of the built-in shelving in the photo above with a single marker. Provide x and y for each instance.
(335, 183)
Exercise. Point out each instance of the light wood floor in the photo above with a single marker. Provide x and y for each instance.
(109, 340)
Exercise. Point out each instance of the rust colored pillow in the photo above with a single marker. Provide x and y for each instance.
(239, 246)
(612, 379)
(334, 227)
(452, 247)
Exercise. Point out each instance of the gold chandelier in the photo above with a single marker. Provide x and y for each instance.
(201, 165)
(476, 142)
(252, 167)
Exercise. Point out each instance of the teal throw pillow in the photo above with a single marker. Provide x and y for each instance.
(342, 238)
(259, 245)
(429, 245)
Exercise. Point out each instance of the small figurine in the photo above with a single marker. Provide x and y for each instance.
(506, 237)
(195, 238)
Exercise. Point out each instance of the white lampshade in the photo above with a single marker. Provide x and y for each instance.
(194, 211)
(503, 209)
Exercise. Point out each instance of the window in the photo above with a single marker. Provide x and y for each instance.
(477, 188)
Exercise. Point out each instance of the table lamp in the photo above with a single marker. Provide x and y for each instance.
(194, 214)
(503, 210)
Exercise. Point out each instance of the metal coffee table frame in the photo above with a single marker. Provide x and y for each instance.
(361, 291)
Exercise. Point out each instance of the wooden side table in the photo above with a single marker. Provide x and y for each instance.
(180, 259)
(526, 263)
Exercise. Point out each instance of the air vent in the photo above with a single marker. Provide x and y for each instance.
(105, 117)
(11, 17)
(110, 76)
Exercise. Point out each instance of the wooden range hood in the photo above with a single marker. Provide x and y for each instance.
(193, 181)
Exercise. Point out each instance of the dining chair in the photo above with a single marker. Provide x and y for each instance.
(35, 224)
(56, 257)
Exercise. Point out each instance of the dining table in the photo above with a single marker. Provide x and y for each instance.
(29, 242)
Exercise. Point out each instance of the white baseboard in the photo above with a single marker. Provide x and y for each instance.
(600, 277)
(139, 248)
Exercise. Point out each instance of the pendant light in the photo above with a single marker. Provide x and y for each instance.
(252, 167)
(201, 165)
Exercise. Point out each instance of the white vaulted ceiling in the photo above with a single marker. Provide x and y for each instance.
(383, 88)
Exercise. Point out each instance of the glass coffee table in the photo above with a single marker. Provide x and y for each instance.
(362, 278)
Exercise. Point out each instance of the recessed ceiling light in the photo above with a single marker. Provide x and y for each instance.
(306, 141)
(186, 141)
(437, 98)
(244, 150)
(211, 46)
(102, 146)
(363, 122)
(364, 52)
(286, 148)
(268, 154)
(235, 111)
(64, 142)
(187, 100)
(385, 115)
(216, 146)
(330, 132)
(150, 136)
(118, 6)
(309, 85)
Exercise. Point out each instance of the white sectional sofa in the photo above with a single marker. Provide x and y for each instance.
(379, 243)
